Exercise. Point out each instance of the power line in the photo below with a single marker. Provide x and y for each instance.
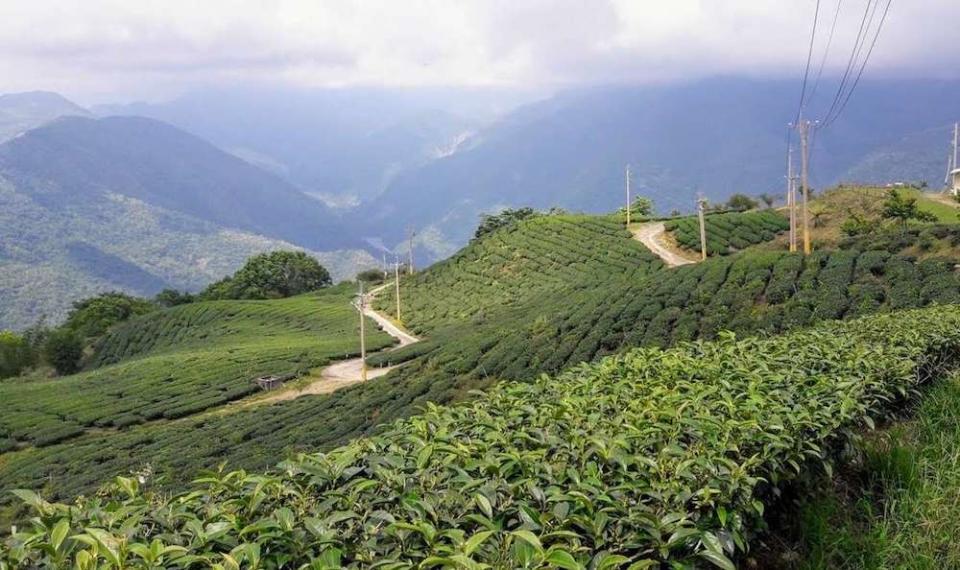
(851, 62)
(806, 71)
(826, 50)
(863, 66)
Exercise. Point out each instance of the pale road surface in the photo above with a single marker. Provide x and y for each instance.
(652, 235)
(345, 372)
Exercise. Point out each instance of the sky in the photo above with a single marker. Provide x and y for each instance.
(122, 50)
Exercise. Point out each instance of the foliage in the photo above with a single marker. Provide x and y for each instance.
(741, 202)
(172, 298)
(92, 317)
(16, 354)
(858, 224)
(63, 350)
(728, 232)
(490, 223)
(606, 466)
(903, 209)
(273, 275)
(372, 276)
(641, 207)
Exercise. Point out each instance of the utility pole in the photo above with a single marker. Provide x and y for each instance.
(791, 200)
(804, 126)
(384, 264)
(396, 277)
(628, 195)
(410, 235)
(361, 305)
(701, 205)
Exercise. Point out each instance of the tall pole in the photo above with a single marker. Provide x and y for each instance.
(956, 146)
(804, 127)
(361, 305)
(701, 205)
(384, 265)
(396, 280)
(628, 194)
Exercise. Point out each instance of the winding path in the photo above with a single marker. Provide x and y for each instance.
(653, 235)
(344, 372)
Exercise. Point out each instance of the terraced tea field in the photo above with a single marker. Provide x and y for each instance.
(183, 361)
(728, 232)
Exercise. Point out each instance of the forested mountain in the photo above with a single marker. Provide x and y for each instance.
(20, 112)
(715, 136)
(135, 205)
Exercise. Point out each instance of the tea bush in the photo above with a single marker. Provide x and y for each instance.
(649, 458)
(730, 231)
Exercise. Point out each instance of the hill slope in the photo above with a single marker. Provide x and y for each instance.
(606, 466)
(543, 296)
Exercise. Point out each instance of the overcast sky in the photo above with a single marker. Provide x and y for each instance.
(121, 50)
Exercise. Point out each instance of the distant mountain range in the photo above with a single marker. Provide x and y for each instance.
(127, 203)
(20, 112)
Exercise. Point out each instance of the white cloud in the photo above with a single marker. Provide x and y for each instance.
(109, 49)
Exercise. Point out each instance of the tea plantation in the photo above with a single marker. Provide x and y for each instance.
(182, 361)
(650, 458)
(728, 232)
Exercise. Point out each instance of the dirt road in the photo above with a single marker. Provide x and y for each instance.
(653, 235)
(344, 372)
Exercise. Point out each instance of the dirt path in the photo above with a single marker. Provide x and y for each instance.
(653, 235)
(342, 373)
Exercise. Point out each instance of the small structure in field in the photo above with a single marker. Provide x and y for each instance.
(269, 382)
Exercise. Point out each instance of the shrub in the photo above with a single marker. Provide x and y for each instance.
(16, 354)
(606, 466)
(63, 350)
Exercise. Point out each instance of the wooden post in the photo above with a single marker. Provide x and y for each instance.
(804, 127)
(701, 204)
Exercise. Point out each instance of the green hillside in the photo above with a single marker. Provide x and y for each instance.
(606, 466)
(182, 361)
(728, 232)
(540, 297)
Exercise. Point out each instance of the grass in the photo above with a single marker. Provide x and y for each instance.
(900, 508)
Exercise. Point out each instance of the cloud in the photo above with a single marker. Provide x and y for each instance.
(97, 49)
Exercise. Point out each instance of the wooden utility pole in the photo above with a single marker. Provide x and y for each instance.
(361, 305)
(410, 235)
(396, 277)
(701, 205)
(804, 126)
(628, 195)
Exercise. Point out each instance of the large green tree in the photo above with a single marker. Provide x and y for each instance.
(272, 275)
(63, 350)
(92, 317)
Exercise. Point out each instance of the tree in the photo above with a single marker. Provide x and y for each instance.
(741, 202)
(900, 208)
(372, 276)
(92, 317)
(857, 224)
(63, 350)
(273, 275)
(16, 354)
(641, 206)
(171, 298)
(490, 223)
(767, 199)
